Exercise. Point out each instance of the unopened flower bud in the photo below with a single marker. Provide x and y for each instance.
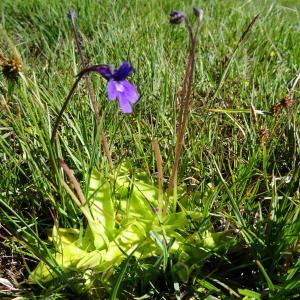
(198, 12)
(177, 17)
(72, 15)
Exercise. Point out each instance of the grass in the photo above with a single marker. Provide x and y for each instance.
(241, 174)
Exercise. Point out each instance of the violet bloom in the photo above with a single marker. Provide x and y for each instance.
(120, 88)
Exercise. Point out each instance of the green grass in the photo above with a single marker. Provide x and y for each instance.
(239, 184)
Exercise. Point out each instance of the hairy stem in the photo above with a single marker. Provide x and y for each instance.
(185, 101)
(64, 107)
(159, 163)
(90, 91)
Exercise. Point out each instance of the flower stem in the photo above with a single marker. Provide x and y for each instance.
(159, 163)
(185, 100)
(64, 107)
(90, 91)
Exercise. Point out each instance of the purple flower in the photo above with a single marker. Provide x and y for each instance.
(118, 87)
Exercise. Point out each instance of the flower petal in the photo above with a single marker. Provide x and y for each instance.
(130, 91)
(124, 70)
(112, 91)
(124, 103)
(105, 72)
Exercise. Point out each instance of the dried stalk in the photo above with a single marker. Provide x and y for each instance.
(75, 182)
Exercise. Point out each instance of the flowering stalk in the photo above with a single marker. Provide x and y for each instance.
(64, 107)
(185, 99)
(159, 164)
(72, 17)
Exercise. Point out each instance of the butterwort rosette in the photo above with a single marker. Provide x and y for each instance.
(119, 87)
